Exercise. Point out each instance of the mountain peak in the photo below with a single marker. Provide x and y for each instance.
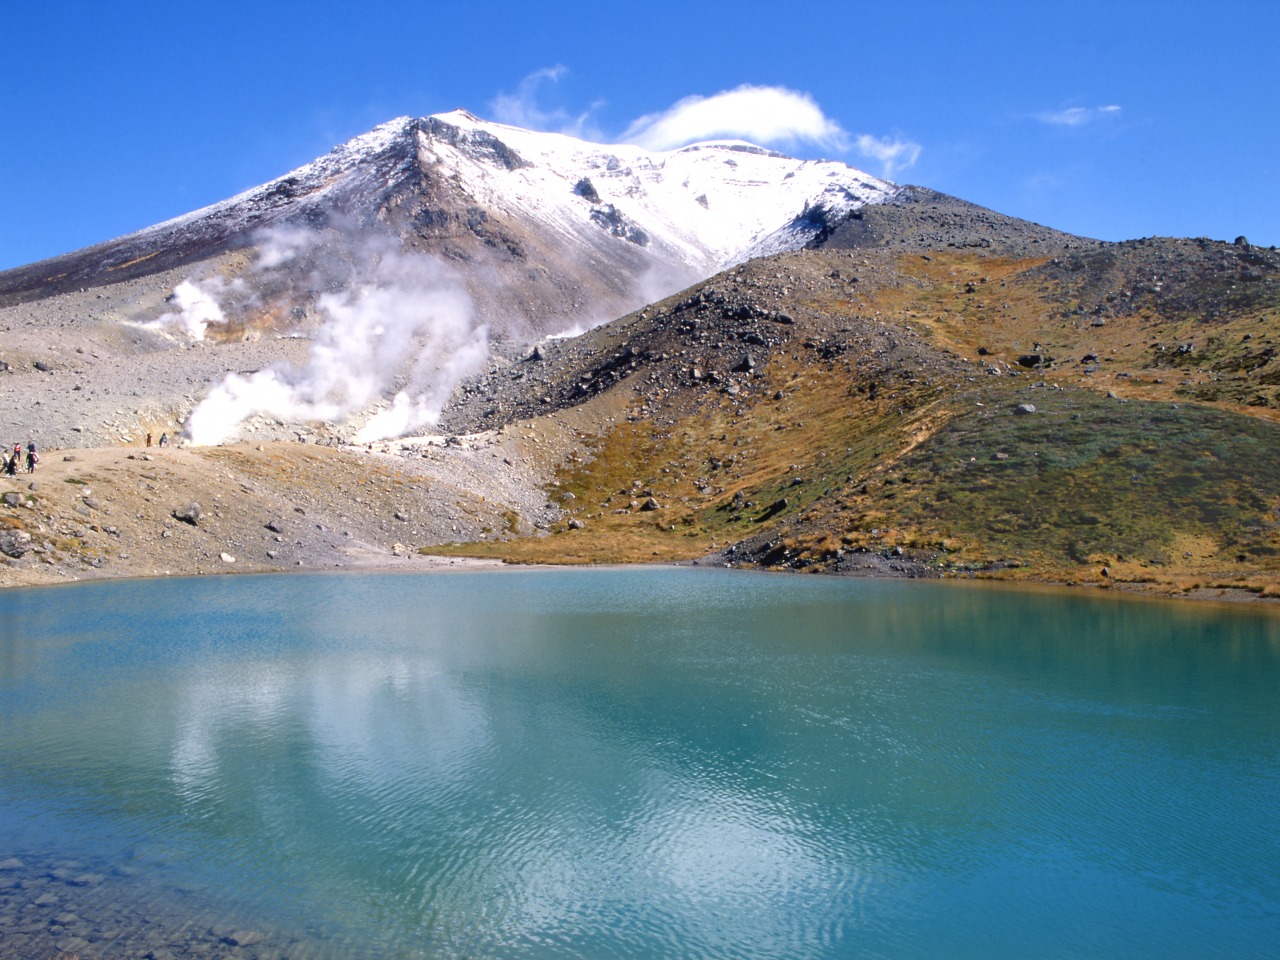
(458, 115)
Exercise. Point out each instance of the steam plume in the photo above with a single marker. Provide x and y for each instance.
(197, 303)
(397, 321)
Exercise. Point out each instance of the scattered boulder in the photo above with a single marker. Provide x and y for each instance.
(1033, 360)
(576, 524)
(587, 190)
(12, 499)
(191, 514)
(775, 508)
(226, 558)
(275, 525)
(1023, 409)
(15, 543)
(243, 938)
(650, 504)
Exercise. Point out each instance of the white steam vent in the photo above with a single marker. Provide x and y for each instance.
(398, 318)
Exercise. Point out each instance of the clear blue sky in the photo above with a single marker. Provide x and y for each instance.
(1114, 119)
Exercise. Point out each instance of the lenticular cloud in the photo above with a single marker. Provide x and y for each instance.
(768, 115)
(400, 318)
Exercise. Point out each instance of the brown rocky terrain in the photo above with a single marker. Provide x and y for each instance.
(794, 412)
(929, 389)
(955, 412)
(136, 511)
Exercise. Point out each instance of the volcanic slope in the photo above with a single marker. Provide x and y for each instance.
(1099, 413)
(527, 233)
(547, 232)
(912, 386)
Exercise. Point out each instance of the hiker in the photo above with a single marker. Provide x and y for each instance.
(17, 453)
(148, 439)
(32, 458)
(164, 439)
(11, 464)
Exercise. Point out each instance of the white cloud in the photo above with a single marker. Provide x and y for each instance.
(893, 155)
(1077, 116)
(768, 116)
(763, 115)
(521, 108)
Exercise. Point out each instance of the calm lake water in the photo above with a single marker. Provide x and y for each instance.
(634, 763)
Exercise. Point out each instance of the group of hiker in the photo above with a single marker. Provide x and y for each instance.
(13, 463)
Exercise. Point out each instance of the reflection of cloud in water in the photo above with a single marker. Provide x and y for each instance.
(718, 869)
(393, 719)
(207, 709)
(367, 722)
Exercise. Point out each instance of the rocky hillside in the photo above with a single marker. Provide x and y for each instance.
(913, 386)
(1105, 414)
(1078, 415)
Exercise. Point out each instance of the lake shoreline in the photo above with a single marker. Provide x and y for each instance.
(118, 513)
(421, 564)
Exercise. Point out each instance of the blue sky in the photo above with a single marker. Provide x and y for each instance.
(1113, 120)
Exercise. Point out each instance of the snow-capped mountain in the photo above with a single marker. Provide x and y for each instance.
(703, 206)
(548, 230)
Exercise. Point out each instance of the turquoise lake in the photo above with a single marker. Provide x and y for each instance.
(644, 763)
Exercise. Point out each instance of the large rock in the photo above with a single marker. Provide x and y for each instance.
(15, 543)
(191, 513)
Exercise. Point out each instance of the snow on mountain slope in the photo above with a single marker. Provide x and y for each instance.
(701, 206)
(403, 253)
(616, 212)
